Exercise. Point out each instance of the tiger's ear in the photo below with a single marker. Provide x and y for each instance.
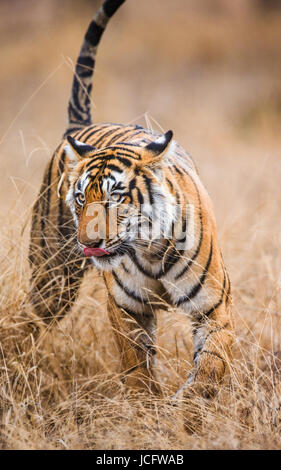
(77, 151)
(153, 153)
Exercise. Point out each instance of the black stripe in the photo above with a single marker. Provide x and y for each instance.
(74, 131)
(140, 130)
(77, 115)
(126, 154)
(219, 328)
(95, 130)
(133, 257)
(178, 170)
(126, 310)
(60, 172)
(110, 6)
(187, 266)
(228, 290)
(94, 33)
(127, 151)
(82, 134)
(65, 225)
(79, 185)
(125, 268)
(149, 188)
(103, 136)
(140, 197)
(195, 289)
(118, 185)
(217, 305)
(85, 71)
(75, 95)
(168, 264)
(129, 195)
(127, 291)
(96, 162)
(119, 135)
(118, 129)
(123, 160)
(132, 184)
(170, 184)
(42, 220)
(49, 177)
(86, 64)
(93, 163)
(114, 168)
(111, 177)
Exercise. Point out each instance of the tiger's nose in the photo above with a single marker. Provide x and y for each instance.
(90, 243)
(93, 241)
(93, 244)
(91, 229)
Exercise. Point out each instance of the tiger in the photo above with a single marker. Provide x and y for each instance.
(135, 176)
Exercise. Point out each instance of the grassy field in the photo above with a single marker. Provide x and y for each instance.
(213, 76)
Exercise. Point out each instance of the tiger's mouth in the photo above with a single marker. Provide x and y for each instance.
(88, 251)
(104, 253)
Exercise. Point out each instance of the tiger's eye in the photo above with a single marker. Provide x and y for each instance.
(115, 197)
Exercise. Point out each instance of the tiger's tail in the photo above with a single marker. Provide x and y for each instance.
(79, 106)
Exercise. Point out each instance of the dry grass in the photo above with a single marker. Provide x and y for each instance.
(216, 84)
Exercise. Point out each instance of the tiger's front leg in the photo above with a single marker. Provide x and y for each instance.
(212, 337)
(203, 293)
(135, 334)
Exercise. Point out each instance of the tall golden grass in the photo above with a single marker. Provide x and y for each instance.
(215, 80)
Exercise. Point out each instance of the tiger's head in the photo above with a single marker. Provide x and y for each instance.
(116, 194)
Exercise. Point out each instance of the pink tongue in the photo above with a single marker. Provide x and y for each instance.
(95, 251)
